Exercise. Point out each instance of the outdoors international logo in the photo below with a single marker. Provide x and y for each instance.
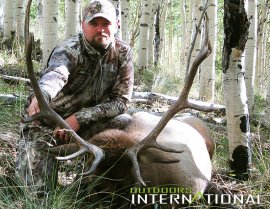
(185, 196)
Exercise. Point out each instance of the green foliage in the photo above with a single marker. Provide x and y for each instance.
(34, 10)
(14, 194)
(259, 100)
(144, 78)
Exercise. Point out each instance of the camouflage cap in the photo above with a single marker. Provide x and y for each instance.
(99, 8)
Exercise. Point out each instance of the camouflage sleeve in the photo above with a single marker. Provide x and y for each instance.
(119, 95)
(55, 76)
(110, 108)
(124, 83)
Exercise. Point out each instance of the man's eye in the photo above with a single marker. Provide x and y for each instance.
(106, 24)
(93, 23)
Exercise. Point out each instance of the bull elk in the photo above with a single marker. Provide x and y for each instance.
(150, 151)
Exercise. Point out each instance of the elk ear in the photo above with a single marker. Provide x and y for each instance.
(156, 156)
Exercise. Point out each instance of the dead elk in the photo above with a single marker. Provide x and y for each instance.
(190, 169)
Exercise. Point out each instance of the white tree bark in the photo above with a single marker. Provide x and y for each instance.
(117, 6)
(144, 35)
(162, 29)
(135, 24)
(72, 17)
(266, 116)
(208, 67)
(251, 55)
(189, 30)
(184, 42)
(157, 37)
(196, 14)
(1, 15)
(151, 33)
(9, 17)
(20, 12)
(38, 33)
(124, 20)
(261, 44)
(50, 28)
(235, 89)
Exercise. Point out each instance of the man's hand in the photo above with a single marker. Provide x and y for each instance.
(61, 134)
(33, 107)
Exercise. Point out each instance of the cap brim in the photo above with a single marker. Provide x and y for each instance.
(107, 17)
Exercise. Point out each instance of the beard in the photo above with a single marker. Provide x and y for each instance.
(100, 43)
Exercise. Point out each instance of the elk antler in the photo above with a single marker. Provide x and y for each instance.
(49, 113)
(182, 103)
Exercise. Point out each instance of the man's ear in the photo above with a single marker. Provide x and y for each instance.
(83, 25)
(117, 26)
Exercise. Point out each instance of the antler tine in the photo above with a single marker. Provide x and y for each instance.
(182, 103)
(49, 113)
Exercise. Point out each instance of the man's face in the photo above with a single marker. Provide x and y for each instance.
(99, 32)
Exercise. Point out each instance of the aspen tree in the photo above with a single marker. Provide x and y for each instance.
(162, 28)
(261, 43)
(50, 28)
(251, 55)
(9, 17)
(144, 35)
(196, 14)
(1, 14)
(236, 28)
(151, 33)
(208, 67)
(20, 17)
(117, 6)
(72, 17)
(183, 54)
(124, 20)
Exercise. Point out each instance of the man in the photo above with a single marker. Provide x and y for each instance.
(88, 81)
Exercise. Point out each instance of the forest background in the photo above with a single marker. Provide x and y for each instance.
(161, 34)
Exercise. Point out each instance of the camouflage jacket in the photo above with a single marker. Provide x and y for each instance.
(79, 79)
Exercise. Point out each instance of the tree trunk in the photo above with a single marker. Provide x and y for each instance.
(162, 27)
(189, 31)
(9, 18)
(72, 17)
(236, 27)
(50, 28)
(196, 14)
(144, 35)
(135, 25)
(169, 42)
(151, 33)
(117, 5)
(207, 74)
(266, 116)
(20, 12)
(261, 44)
(157, 37)
(250, 61)
(39, 19)
(1, 15)
(124, 20)
(184, 33)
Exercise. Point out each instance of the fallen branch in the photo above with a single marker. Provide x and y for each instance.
(10, 98)
(150, 98)
(15, 79)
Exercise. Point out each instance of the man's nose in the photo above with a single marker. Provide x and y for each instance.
(100, 28)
